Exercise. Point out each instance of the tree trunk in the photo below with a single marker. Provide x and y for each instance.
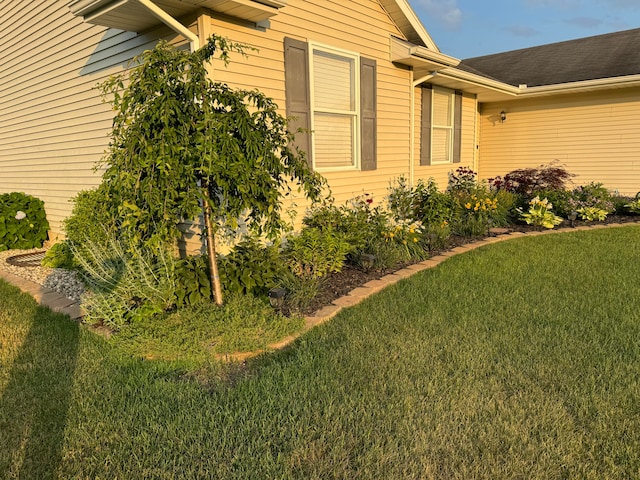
(216, 286)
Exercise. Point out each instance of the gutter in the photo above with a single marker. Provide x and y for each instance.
(574, 87)
(523, 91)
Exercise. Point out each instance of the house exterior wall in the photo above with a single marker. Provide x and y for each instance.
(440, 173)
(594, 135)
(53, 123)
(359, 26)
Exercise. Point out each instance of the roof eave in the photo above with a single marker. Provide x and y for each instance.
(418, 57)
(581, 86)
(490, 90)
(408, 22)
(131, 16)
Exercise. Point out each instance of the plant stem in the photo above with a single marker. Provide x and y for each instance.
(214, 277)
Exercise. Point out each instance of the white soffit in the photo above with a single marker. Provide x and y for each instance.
(409, 23)
(131, 16)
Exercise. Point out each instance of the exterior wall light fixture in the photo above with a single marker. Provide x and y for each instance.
(503, 116)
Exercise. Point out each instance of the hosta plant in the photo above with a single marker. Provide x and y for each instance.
(591, 214)
(634, 207)
(540, 214)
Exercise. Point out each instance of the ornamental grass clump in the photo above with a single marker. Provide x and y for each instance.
(540, 214)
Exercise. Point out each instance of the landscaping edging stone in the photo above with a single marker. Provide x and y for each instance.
(61, 304)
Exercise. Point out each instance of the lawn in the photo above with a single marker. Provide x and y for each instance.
(516, 360)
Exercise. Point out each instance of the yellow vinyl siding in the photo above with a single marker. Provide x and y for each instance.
(54, 123)
(594, 135)
(359, 26)
(55, 127)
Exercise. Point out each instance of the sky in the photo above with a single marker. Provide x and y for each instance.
(471, 28)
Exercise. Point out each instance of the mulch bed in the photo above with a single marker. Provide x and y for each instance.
(341, 283)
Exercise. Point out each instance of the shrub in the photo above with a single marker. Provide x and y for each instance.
(592, 201)
(424, 202)
(93, 218)
(401, 199)
(125, 284)
(23, 221)
(300, 290)
(314, 253)
(60, 255)
(310, 256)
(560, 199)
(529, 181)
(358, 222)
(194, 285)
(463, 179)
(251, 268)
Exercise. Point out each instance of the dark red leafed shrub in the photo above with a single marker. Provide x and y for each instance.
(527, 181)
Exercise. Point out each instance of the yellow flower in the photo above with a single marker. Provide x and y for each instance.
(415, 240)
(404, 242)
(391, 234)
(467, 205)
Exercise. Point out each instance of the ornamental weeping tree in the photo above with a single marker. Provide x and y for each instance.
(183, 144)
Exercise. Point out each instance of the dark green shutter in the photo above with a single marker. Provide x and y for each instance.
(296, 75)
(457, 128)
(368, 101)
(425, 126)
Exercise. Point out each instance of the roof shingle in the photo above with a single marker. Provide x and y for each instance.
(602, 56)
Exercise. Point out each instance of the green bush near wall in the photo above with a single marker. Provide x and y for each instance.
(23, 221)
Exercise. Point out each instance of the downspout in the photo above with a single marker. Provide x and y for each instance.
(476, 137)
(412, 122)
(164, 17)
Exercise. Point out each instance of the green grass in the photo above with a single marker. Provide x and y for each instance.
(197, 334)
(517, 360)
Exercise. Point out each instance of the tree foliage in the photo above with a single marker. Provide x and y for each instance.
(177, 132)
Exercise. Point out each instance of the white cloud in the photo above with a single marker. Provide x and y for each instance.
(521, 31)
(446, 11)
(584, 22)
(620, 3)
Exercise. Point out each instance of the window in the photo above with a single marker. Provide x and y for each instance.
(335, 110)
(441, 126)
(440, 134)
(331, 95)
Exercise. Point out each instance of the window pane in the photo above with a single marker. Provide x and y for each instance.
(333, 81)
(442, 107)
(441, 147)
(333, 140)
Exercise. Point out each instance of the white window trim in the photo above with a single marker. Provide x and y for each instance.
(444, 127)
(313, 46)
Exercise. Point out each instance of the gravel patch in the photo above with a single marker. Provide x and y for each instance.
(65, 282)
